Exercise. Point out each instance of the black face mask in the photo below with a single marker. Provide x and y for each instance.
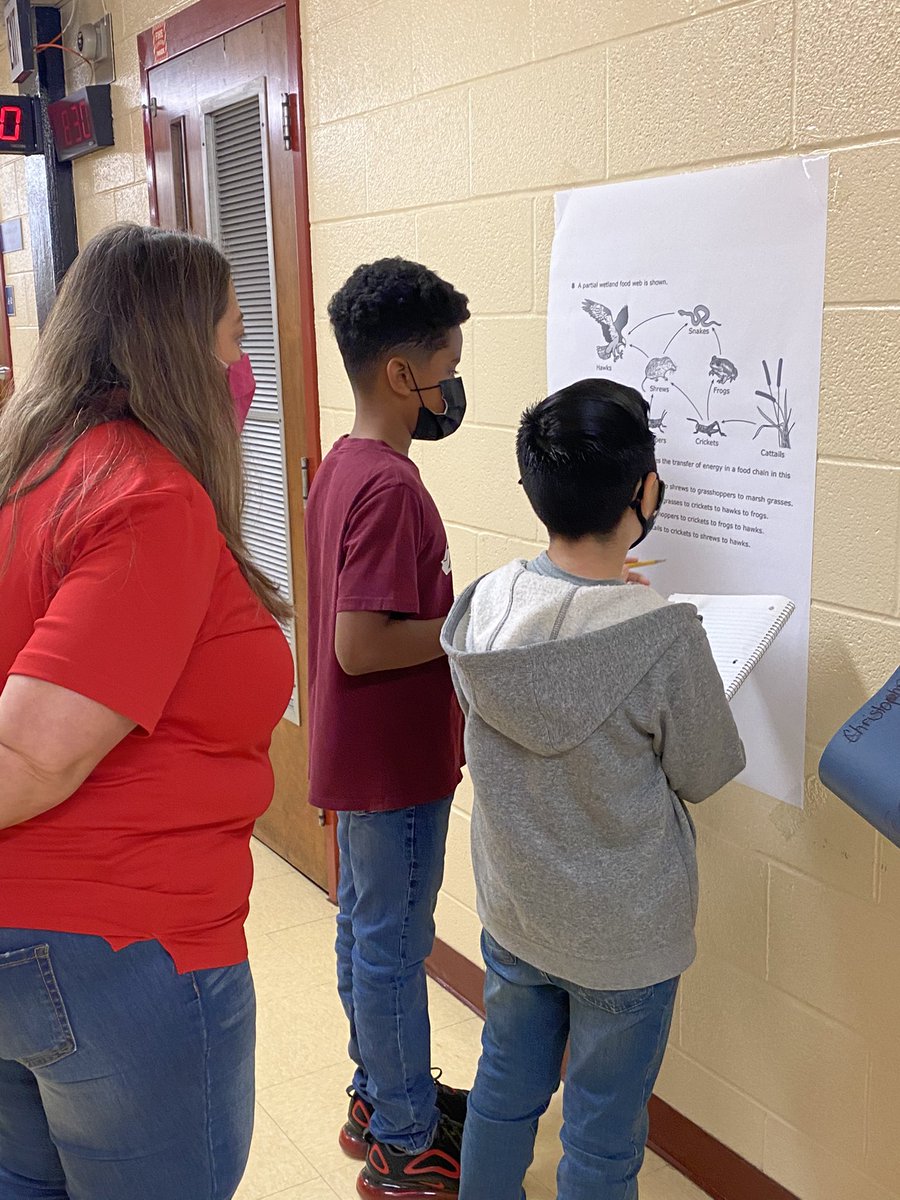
(647, 523)
(431, 426)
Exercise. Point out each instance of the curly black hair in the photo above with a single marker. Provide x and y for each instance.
(393, 305)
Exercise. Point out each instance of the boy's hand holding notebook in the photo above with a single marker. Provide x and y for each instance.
(740, 630)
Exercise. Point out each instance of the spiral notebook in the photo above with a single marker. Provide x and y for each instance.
(740, 630)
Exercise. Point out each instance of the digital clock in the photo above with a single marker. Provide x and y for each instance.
(20, 125)
(82, 122)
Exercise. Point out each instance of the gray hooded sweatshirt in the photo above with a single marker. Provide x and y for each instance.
(592, 714)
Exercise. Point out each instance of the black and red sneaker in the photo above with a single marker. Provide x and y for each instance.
(452, 1102)
(428, 1173)
(352, 1137)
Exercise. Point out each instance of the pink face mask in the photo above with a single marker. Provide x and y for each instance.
(242, 383)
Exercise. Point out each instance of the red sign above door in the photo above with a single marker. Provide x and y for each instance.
(160, 43)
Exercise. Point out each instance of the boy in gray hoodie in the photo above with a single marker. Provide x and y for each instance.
(594, 712)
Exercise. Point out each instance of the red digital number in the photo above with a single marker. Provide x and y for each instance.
(10, 123)
(87, 124)
(77, 127)
(68, 138)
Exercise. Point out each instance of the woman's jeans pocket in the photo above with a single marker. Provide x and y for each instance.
(34, 1024)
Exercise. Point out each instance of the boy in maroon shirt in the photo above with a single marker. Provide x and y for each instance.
(385, 727)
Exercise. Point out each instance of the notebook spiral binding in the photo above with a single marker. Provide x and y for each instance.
(753, 661)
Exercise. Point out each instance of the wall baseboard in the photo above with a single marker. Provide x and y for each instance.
(714, 1167)
(457, 975)
(696, 1154)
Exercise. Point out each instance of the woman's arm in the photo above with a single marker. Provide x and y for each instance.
(50, 740)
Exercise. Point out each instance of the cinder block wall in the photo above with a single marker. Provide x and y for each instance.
(440, 131)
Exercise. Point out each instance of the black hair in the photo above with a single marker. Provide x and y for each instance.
(582, 453)
(393, 305)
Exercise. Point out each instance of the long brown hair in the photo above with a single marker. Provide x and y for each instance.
(132, 336)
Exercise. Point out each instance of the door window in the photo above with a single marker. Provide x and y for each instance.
(240, 213)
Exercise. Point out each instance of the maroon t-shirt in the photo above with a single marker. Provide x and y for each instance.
(375, 542)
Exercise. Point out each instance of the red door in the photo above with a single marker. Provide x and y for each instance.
(6, 363)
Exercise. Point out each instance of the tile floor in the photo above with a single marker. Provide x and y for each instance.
(302, 1064)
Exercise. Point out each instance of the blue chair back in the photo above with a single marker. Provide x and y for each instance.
(861, 763)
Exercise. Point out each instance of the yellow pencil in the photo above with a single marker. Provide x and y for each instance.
(651, 562)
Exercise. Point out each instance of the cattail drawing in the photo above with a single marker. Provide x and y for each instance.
(780, 417)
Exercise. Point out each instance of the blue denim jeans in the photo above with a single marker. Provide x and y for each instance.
(119, 1078)
(392, 866)
(616, 1046)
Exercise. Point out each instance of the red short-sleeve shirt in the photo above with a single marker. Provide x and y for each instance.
(133, 600)
(375, 543)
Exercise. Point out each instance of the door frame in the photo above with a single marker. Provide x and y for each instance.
(178, 34)
(8, 384)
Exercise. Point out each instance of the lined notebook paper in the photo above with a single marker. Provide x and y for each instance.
(740, 630)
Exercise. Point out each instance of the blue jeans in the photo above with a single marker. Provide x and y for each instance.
(392, 866)
(616, 1046)
(119, 1078)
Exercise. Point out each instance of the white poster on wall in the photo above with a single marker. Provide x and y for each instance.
(704, 291)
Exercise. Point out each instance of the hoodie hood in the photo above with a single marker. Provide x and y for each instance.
(544, 662)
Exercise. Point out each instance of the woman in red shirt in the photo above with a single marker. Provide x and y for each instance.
(142, 673)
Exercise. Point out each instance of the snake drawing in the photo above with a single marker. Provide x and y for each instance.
(699, 317)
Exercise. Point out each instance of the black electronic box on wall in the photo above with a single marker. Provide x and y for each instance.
(82, 122)
(21, 126)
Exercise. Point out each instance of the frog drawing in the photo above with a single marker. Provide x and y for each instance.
(659, 368)
(614, 341)
(722, 370)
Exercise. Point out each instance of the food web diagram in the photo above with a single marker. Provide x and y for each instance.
(687, 374)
